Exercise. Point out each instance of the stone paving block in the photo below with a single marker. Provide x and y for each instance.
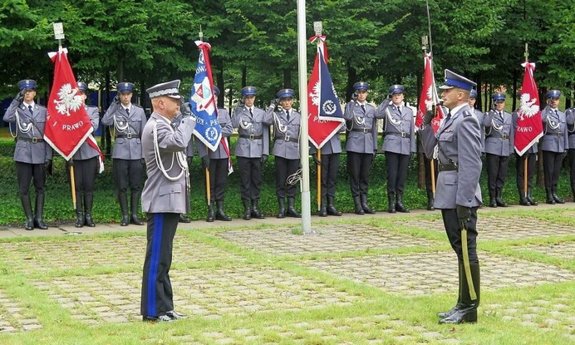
(338, 238)
(100, 252)
(499, 228)
(209, 293)
(14, 317)
(565, 251)
(430, 273)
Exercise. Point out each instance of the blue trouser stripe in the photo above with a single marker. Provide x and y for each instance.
(154, 262)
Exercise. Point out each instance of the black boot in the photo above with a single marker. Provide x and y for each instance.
(530, 198)
(467, 313)
(399, 207)
(281, 207)
(184, 218)
(291, 211)
(247, 210)
(499, 198)
(430, 200)
(556, 197)
(391, 202)
(331, 210)
(492, 201)
(256, 213)
(123, 200)
(38, 220)
(322, 208)
(211, 213)
(220, 214)
(364, 204)
(458, 305)
(523, 200)
(135, 199)
(88, 202)
(79, 212)
(29, 224)
(549, 197)
(358, 208)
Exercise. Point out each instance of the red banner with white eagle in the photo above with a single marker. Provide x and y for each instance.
(428, 97)
(529, 127)
(67, 124)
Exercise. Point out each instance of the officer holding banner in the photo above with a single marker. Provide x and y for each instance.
(33, 156)
(554, 144)
(457, 146)
(128, 121)
(525, 199)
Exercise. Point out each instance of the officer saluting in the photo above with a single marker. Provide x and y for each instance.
(361, 145)
(32, 154)
(163, 197)
(554, 144)
(457, 146)
(128, 120)
(251, 149)
(498, 147)
(398, 144)
(286, 151)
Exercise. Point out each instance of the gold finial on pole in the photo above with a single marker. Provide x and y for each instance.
(59, 33)
(526, 52)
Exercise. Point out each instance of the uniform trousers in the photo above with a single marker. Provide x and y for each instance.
(552, 169)
(359, 167)
(520, 169)
(453, 230)
(85, 175)
(496, 171)
(427, 167)
(26, 173)
(397, 165)
(329, 169)
(284, 168)
(157, 294)
(128, 173)
(218, 178)
(250, 177)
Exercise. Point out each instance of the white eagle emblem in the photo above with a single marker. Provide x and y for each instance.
(315, 94)
(68, 100)
(429, 98)
(528, 107)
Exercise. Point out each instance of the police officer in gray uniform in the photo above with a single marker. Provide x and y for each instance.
(329, 161)
(128, 120)
(251, 149)
(498, 147)
(217, 163)
(570, 118)
(398, 144)
(86, 165)
(286, 126)
(457, 146)
(479, 115)
(32, 154)
(525, 199)
(361, 145)
(554, 144)
(163, 197)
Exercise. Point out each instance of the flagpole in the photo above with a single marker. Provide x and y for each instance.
(525, 165)
(318, 28)
(304, 144)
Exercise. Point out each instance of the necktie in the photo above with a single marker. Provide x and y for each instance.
(30, 108)
(287, 114)
(448, 117)
(251, 112)
(127, 111)
(363, 108)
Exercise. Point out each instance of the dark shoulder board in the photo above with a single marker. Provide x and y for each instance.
(467, 113)
(137, 106)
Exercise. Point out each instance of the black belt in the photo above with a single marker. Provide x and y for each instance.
(287, 138)
(363, 130)
(402, 134)
(32, 140)
(251, 136)
(447, 167)
(557, 134)
(128, 136)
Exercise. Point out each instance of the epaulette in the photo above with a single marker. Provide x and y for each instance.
(467, 113)
(137, 106)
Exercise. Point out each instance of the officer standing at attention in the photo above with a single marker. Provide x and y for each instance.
(286, 151)
(128, 120)
(217, 162)
(32, 154)
(253, 125)
(554, 144)
(86, 166)
(398, 144)
(361, 145)
(163, 197)
(329, 161)
(570, 118)
(457, 146)
(498, 147)
(479, 114)
(531, 156)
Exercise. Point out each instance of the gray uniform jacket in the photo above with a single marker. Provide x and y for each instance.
(160, 193)
(29, 128)
(253, 140)
(128, 129)
(499, 135)
(86, 151)
(227, 129)
(458, 142)
(555, 129)
(570, 117)
(286, 134)
(534, 147)
(362, 136)
(398, 128)
(480, 116)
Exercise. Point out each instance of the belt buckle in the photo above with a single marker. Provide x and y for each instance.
(403, 134)
(251, 137)
(286, 138)
(365, 130)
(129, 135)
(34, 140)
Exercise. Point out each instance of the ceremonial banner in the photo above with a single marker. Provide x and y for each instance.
(67, 124)
(428, 97)
(325, 115)
(529, 124)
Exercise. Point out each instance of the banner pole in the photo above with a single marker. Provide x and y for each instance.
(73, 184)
(318, 154)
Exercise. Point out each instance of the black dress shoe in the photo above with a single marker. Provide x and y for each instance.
(135, 220)
(463, 315)
(184, 219)
(161, 318)
(443, 315)
(175, 315)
